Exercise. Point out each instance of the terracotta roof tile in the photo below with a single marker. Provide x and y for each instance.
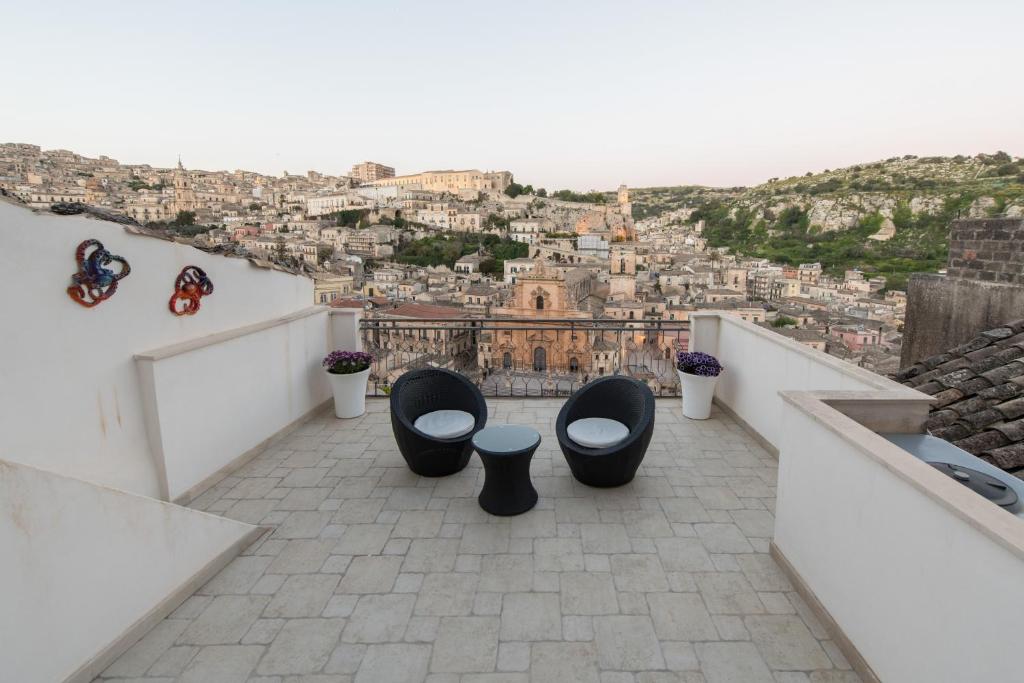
(982, 418)
(1016, 339)
(954, 379)
(984, 441)
(1005, 372)
(1002, 392)
(1008, 457)
(944, 398)
(978, 389)
(941, 418)
(969, 405)
(998, 334)
(952, 432)
(930, 388)
(986, 364)
(973, 345)
(909, 373)
(1010, 353)
(1013, 431)
(923, 377)
(1012, 409)
(974, 385)
(981, 354)
(955, 364)
(935, 361)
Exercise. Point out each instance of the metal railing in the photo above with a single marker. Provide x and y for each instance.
(526, 357)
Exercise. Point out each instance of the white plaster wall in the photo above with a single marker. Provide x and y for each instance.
(70, 399)
(345, 334)
(923, 595)
(217, 402)
(759, 364)
(80, 564)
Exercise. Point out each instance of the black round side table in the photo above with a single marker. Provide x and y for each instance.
(506, 451)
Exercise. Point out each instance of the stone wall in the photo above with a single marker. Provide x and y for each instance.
(983, 289)
(989, 250)
(944, 312)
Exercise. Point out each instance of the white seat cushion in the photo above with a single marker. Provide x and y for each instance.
(597, 432)
(445, 424)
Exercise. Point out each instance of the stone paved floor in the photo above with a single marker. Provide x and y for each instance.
(375, 575)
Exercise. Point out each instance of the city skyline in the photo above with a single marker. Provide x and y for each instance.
(579, 97)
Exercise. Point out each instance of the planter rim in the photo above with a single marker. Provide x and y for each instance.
(345, 374)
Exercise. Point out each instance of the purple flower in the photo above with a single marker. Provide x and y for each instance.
(698, 363)
(347, 362)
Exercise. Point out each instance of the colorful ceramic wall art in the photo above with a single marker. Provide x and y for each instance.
(94, 282)
(190, 286)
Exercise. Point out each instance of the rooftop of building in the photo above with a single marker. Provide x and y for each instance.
(424, 311)
(198, 514)
(978, 392)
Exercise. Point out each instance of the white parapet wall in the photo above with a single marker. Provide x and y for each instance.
(71, 399)
(85, 570)
(924, 577)
(760, 363)
(211, 401)
(917, 578)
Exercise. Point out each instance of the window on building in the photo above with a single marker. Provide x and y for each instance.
(540, 359)
(540, 303)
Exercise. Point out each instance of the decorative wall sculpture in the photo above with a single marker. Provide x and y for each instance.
(95, 282)
(191, 285)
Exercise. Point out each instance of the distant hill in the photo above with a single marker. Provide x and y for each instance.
(888, 217)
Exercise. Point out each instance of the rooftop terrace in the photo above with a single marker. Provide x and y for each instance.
(372, 572)
(176, 505)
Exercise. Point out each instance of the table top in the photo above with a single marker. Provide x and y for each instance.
(505, 438)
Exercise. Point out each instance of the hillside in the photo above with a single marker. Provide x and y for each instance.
(889, 217)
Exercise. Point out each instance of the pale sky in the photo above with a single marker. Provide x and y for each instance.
(584, 95)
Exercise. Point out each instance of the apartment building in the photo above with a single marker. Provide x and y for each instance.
(369, 171)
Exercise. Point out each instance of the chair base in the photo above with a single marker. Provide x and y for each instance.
(596, 475)
(439, 462)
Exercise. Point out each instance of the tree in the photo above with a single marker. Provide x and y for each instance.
(528, 189)
(279, 251)
(324, 252)
(784, 321)
(255, 206)
(184, 218)
(514, 190)
(542, 192)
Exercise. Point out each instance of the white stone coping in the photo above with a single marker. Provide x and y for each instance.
(839, 365)
(179, 348)
(1002, 527)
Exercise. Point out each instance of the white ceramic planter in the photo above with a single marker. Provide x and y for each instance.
(349, 393)
(697, 394)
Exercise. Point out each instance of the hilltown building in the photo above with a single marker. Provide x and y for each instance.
(370, 171)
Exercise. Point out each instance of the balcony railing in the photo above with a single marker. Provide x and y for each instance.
(526, 357)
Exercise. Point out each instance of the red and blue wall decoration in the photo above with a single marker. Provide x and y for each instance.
(191, 285)
(94, 282)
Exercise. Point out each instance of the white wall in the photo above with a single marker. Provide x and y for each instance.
(345, 334)
(80, 564)
(209, 404)
(760, 363)
(70, 399)
(922, 593)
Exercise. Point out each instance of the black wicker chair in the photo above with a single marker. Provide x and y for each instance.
(418, 392)
(624, 399)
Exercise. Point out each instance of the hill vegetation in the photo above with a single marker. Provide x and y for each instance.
(830, 217)
(447, 248)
